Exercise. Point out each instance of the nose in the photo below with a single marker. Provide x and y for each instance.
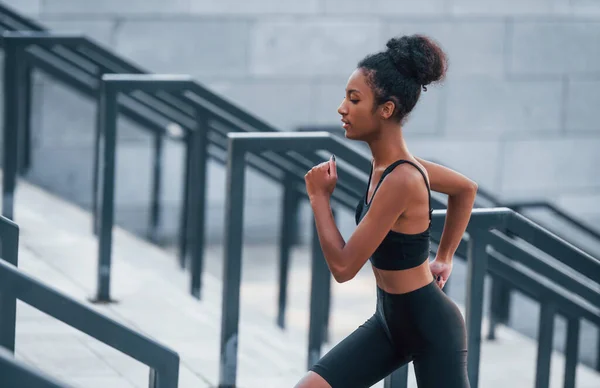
(342, 108)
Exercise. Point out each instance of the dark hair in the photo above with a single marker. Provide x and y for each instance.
(399, 73)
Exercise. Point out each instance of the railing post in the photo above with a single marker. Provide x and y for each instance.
(197, 201)
(545, 337)
(155, 210)
(476, 269)
(571, 352)
(598, 350)
(164, 377)
(184, 219)
(12, 81)
(289, 215)
(319, 283)
(24, 103)
(327, 294)
(8, 303)
(499, 300)
(398, 379)
(498, 303)
(230, 311)
(96, 184)
(108, 110)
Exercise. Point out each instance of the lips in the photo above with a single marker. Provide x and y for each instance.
(345, 124)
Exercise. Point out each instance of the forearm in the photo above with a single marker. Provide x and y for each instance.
(330, 238)
(457, 218)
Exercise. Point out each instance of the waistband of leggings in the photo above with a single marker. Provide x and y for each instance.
(426, 289)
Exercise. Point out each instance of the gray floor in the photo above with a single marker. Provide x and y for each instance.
(57, 247)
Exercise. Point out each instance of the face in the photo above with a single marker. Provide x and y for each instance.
(359, 117)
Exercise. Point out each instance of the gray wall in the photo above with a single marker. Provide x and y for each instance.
(517, 112)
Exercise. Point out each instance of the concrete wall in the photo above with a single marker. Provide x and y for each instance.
(517, 112)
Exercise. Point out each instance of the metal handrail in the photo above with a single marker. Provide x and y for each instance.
(484, 223)
(217, 117)
(500, 305)
(14, 284)
(233, 117)
(16, 374)
(494, 200)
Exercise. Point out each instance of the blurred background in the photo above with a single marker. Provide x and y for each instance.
(517, 112)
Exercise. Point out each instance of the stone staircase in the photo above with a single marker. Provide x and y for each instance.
(57, 246)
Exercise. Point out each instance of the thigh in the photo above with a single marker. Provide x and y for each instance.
(442, 369)
(441, 361)
(362, 359)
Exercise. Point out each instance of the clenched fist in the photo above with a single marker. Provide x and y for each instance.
(321, 179)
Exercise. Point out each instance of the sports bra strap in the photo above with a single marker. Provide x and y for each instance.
(388, 170)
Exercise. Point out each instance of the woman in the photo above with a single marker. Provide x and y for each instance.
(414, 320)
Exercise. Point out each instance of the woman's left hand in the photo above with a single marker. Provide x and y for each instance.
(440, 269)
(321, 179)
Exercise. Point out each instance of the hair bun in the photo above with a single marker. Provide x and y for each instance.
(418, 57)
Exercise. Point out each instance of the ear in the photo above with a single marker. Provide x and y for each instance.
(387, 109)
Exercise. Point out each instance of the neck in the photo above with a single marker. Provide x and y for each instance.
(389, 146)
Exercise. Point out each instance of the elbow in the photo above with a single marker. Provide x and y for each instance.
(472, 188)
(468, 189)
(342, 275)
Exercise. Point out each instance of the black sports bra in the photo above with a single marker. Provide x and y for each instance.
(397, 251)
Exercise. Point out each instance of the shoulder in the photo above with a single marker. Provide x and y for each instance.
(405, 176)
(399, 186)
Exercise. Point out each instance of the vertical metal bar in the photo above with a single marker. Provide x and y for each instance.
(108, 106)
(167, 376)
(398, 379)
(494, 302)
(288, 219)
(199, 182)
(153, 379)
(598, 349)
(156, 188)
(232, 271)
(26, 91)
(326, 293)
(318, 284)
(545, 337)
(183, 215)
(295, 225)
(96, 168)
(8, 302)
(476, 268)
(571, 352)
(11, 123)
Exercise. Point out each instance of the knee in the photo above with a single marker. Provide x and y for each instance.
(312, 380)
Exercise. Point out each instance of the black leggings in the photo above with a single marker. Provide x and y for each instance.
(423, 326)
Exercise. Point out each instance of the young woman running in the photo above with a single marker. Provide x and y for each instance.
(414, 320)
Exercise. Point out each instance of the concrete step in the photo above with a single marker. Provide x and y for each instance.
(152, 292)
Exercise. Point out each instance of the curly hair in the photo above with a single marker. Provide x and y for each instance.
(398, 74)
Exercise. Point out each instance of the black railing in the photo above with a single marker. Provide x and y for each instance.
(163, 362)
(501, 301)
(68, 59)
(487, 199)
(9, 250)
(80, 63)
(484, 250)
(17, 374)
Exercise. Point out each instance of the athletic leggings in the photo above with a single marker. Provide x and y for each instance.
(423, 326)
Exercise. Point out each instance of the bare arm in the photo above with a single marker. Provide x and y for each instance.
(345, 259)
(461, 193)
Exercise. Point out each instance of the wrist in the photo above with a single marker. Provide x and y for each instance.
(318, 199)
(443, 258)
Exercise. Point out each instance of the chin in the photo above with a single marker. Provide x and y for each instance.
(349, 135)
(352, 136)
